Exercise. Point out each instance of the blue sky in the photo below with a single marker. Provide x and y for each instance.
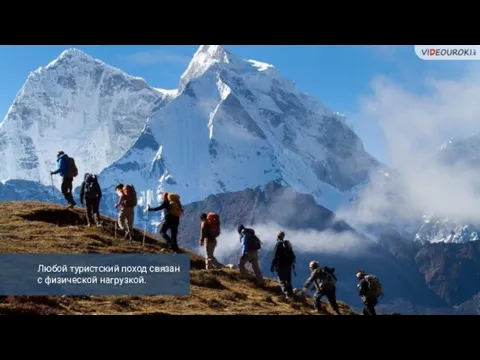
(339, 76)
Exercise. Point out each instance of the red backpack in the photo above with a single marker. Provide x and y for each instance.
(213, 221)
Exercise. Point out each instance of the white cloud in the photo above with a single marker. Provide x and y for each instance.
(157, 57)
(414, 126)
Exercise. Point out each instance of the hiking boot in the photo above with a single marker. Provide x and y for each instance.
(89, 225)
(99, 225)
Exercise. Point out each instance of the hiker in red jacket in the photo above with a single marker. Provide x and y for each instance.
(209, 231)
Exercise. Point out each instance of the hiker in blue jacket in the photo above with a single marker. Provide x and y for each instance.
(67, 172)
(250, 246)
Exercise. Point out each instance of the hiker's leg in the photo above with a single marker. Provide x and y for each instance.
(288, 285)
(88, 211)
(129, 217)
(370, 306)
(282, 279)
(70, 191)
(67, 184)
(317, 297)
(122, 219)
(256, 267)
(163, 231)
(332, 299)
(285, 279)
(215, 262)
(209, 247)
(366, 307)
(241, 265)
(96, 211)
(174, 232)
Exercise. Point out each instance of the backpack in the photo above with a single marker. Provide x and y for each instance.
(176, 208)
(72, 168)
(374, 285)
(213, 221)
(91, 187)
(289, 255)
(253, 242)
(131, 196)
(329, 275)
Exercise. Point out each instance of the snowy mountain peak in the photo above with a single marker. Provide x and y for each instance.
(70, 57)
(75, 53)
(217, 52)
(204, 58)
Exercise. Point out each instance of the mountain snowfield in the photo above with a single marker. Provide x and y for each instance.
(231, 124)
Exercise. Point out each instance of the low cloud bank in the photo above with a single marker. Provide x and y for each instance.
(304, 242)
(415, 126)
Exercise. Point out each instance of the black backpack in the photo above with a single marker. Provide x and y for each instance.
(253, 242)
(288, 254)
(91, 187)
(329, 274)
(72, 168)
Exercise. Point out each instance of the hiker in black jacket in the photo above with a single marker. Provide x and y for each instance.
(283, 263)
(325, 284)
(90, 195)
(171, 220)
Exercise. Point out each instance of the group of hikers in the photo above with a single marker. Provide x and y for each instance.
(283, 258)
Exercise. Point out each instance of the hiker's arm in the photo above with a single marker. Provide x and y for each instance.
(99, 191)
(243, 240)
(363, 288)
(162, 206)
(82, 192)
(62, 165)
(203, 232)
(120, 200)
(310, 280)
(274, 257)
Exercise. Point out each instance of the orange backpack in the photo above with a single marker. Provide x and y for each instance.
(176, 208)
(131, 196)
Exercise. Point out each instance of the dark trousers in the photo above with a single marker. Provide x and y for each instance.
(170, 223)
(369, 307)
(331, 295)
(285, 279)
(92, 211)
(67, 188)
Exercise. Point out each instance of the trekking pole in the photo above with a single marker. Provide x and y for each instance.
(115, 223)
(53, 190)
(145, 230)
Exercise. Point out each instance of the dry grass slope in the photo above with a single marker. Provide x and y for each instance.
(48, 228)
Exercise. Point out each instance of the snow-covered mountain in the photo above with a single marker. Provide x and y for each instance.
(78, 104)
(456, 153)
(235, 124)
